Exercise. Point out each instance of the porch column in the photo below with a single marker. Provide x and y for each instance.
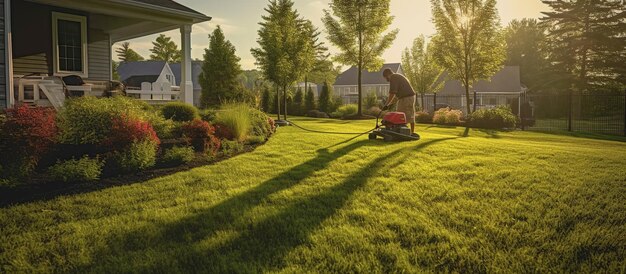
(8, 46)
(186, 85)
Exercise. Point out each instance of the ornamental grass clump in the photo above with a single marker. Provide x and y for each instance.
(236, 117)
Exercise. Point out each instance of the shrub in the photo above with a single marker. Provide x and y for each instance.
(447, 116)
(88, 120)
(423, 117)
(345, 111)
(255, 139)
(138, 156)
(125, 131)
(177, 156)
(373, 111)
(223, 132)
(208, 115)
(237, 118)
(260, 123)
(179, 111)
(26, 134)
(317, 114)
(201, 135)
(81, 170)
(164, 128)
(496, 118)
(230, 148)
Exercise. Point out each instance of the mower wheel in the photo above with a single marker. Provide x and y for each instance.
(372, 136)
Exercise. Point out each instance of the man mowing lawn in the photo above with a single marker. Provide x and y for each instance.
(400, 87)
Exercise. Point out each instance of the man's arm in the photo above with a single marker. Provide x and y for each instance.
(390, 99)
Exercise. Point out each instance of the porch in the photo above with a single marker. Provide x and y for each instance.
(49, 39)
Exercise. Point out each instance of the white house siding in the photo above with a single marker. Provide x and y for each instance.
(98, 55)
(350, 94)
(3, 80)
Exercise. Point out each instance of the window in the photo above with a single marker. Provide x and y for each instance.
(69, 38)
(493, 101)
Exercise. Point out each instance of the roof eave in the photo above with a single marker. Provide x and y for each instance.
(196, 16)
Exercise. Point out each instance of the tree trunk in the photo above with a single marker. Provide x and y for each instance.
(360, 65)
(423, 106)
(285, 101)
(278, 101)
(467, 99)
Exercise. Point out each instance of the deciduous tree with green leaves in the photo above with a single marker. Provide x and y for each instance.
(286, 50)
(421, 69)
(220, 71)
(164, 49)
(126, 54)
(356, 27)
(526, 41)
(469, 41)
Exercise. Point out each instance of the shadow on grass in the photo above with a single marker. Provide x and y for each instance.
(255, 246)
(492, 134)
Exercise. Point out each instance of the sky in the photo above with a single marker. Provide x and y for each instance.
(239, 20)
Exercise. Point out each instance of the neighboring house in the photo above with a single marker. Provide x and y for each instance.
(504, 88)
(315, 87)
(75, 37)
(371, 82)
(132, 74)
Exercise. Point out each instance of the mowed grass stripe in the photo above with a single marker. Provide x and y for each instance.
(491, 201)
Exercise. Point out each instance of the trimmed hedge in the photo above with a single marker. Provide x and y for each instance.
(180, 112)
(177, 156)
(81, 170)
(496, 118)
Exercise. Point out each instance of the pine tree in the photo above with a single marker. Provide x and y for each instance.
(286, 50)
(126, 54)
(298, 99)
(266, 100)
(309, 100)
(356, 27)
(469, 44)
(164, 49)
(586, 41)
(325, 100)
(220, 71)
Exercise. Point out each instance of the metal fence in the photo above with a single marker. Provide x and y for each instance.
(596, 113)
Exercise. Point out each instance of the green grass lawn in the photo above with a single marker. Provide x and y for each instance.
(491, 201)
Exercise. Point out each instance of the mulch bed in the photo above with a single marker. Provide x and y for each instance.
(40, 188)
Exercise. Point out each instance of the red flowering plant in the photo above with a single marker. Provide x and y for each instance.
(201, 135)
(224, 132)
(126, 130)
(25, 135)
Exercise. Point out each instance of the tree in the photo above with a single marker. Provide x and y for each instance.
(309, 100)
(266, 100)
(586, 41)
(286, 50)
(421, 69)
(469, 43)
(525, 40)
(164, 49)
(114, 66)
(325, 100)
(126, 54)
(220, 71)
(298, 99)
(356, 27)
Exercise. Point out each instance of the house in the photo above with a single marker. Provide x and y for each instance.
(75, 37)
(371, 82)
(309, 85)
(504, 88)
(132, 74)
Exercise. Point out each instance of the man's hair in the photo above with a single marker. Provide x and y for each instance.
(386, 72)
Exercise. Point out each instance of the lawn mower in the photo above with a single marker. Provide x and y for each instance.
(394, 129)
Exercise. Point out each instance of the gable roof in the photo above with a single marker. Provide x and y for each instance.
(196, 69)
(505, 80)
(170, 5)
(139, 68)
(349, 77)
